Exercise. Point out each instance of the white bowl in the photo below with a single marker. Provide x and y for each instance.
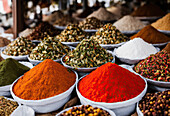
(84, 70)
(90, 30)
(165, 32)
(49, 104)
(160, 44)
(60, 27)
(23, 111)
(24, 57)
(109, 111)
(111, 46)
(39, 61)
(74, 44)
(161, 84)
(5, 90)
(130, 61)
(139, 112)
(123, 108)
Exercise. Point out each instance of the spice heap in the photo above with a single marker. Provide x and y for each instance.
(155, 104)
(87, 54)
(53, 17)
(7, 106)
(155, 67)
(111, 83)
(90, 23)
(151, 35)
(49, 49)
(148, 10)
(86, 111)
(103, 15)
(163, 23)
(85, 13)
(167, 48)
(10, 70)
(42, 30)
(129, 23)
(49, 79)
(136, 49)
(108, 34)
(4, 41)
(21, 46)
(65, 20)
(26, 32)
(72, 33)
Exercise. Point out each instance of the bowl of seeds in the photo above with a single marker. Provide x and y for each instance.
(155, 69)
(72, 35)
(19, 49)
(8, 106)
(87, 56)
(49, 48)
(109, 37)
(87, 110)
(155, 104)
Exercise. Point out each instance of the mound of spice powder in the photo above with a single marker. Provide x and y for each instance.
(108, 34)
(163, 23)
(111, 83)
(10, 70)
(65, 20)
(72, 33)
(156, 104)
(151, 35)
(45, 80)
(155, 67)
(167, 48)
(148, 10)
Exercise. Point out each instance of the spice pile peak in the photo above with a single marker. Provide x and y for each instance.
(45, 80)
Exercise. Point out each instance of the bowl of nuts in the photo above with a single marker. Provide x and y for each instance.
(87, 110)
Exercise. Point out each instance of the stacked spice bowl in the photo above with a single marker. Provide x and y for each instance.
(155, 69)
(87, 56)
(43, 92)
(135, 50)
(107, 88)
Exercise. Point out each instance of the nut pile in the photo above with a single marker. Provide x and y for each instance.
(49, 48)
(108, 34)
(71, 34)
(7, 106)
(87, 54)
(42, 30)
(156, 104)
(155, 67)
(90, 23)
(21, 46)
(85, 111)
(64, 21)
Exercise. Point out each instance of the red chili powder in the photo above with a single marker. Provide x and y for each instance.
(111, 83)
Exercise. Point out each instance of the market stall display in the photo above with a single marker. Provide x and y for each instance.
(129, 25)
(86, 110)
(49, 48)
(109, 37)
(135, 50)
(118, 95)
(153, 36)
(53, 84)
(7, 106)
(88, 54)
(43, 30)
(91, 23)
(155, 104)
(103, 15)
(155, 69)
